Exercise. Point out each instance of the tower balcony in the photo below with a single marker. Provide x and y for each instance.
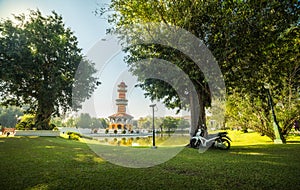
(121, 101)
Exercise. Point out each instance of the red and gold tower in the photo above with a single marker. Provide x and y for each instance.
(121, 120)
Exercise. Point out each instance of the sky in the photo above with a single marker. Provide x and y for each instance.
(102, 49)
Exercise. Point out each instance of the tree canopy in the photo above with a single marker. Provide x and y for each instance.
(254, 42)
(39, 59)
(86, 121)
(170, 123)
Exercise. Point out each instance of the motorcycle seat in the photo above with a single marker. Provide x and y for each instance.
(210, 136)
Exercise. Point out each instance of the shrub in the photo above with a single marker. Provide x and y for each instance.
(70, 132)
(95, 130)
(74, 135)
(106, 131)
(26, 122)
(124, 132)
(115, 131)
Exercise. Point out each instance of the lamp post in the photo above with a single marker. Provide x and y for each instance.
(277, 139)
(153, 128)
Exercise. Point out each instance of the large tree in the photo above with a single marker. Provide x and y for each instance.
(39, 59)
(251, 109)
(170, 123)
(262, 49)
(248, 38)
(178, 95)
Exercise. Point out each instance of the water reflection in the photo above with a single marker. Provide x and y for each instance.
(161, 140)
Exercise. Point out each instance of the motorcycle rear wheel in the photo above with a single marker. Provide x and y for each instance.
(225, 144)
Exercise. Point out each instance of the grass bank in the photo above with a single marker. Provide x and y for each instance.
(58, 163)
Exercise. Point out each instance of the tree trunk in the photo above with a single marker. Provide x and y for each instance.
(43, 115)
(198, 118)
(42, 121)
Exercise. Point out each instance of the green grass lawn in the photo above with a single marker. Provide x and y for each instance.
(253, 162)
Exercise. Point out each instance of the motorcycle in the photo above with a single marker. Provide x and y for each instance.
(219, 140)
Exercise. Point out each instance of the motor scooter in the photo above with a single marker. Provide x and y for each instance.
(219, 140)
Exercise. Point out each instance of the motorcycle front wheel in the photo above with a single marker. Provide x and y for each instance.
(225, 144)
(194, 143)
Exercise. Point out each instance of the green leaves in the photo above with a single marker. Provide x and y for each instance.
(253, 42)
(170, 123)
(39, 58)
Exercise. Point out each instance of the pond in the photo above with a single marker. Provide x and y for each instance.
(160, 140)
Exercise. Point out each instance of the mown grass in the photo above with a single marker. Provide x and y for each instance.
(58, 163)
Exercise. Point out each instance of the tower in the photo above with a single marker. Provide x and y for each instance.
(121, 102)
(121, 120)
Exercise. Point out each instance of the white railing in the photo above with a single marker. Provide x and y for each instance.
(40, 133)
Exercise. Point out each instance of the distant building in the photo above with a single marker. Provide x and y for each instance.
(121, 120)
